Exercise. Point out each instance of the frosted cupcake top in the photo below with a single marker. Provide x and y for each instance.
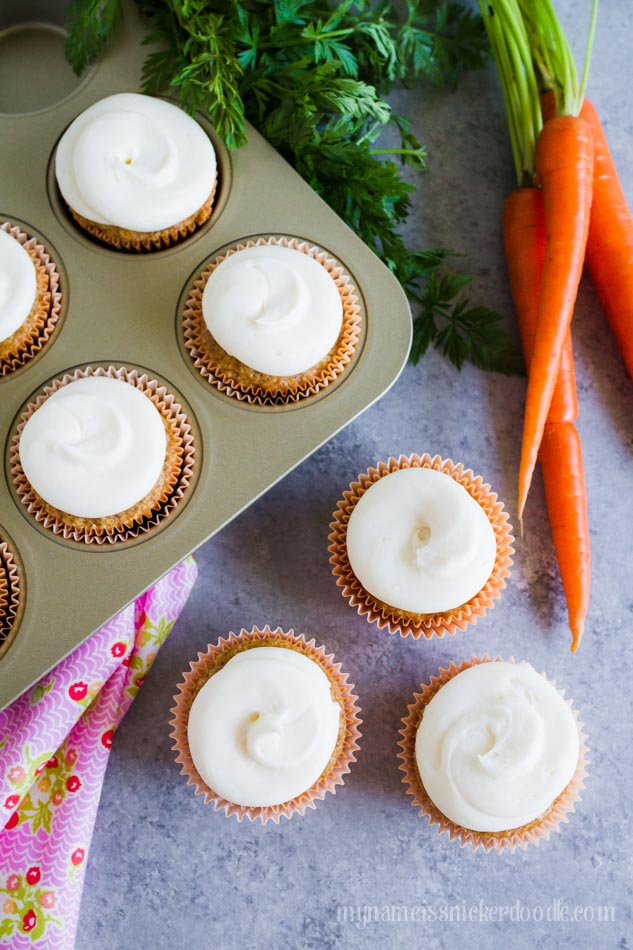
(18, 285)
(95, 448)
(419, 542)
(262, 730)
(135, 162)
(495, 746)
(275, 309)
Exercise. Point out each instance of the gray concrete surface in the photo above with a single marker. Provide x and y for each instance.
(165, 872)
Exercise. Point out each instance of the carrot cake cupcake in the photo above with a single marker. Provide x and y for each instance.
(29, 297)
(420, 545)
(493, 753)
(98, 454)
(272, 320)
(136, 172)
(265, 724)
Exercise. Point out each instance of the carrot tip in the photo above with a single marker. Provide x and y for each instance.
(576, 636)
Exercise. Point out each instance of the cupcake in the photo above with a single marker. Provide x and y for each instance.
(493, 754)
(420, 546)
(136, 173)
(102, 455)
(10, 588)
(272, 321)
(265, 724)
(30, 299)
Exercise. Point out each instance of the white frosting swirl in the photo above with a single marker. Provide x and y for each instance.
(273, 308)
(496, 745)
(418, 541)
(94, 448)
(18, 285)
(262, 730)
(135, 162)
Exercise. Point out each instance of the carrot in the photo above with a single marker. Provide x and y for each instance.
(609, 254)
(610, 243)
(564, 165)
(560, 454)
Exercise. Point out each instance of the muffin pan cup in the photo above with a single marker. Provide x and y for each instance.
(126, 310)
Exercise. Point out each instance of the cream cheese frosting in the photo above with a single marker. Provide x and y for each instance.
(273, 308)
(496, 745)
(95, 447)
(418, 541)
(18, 285)
(262, 730)
(135, 162)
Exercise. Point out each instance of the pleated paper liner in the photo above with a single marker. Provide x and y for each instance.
(37, 329)
(234, 378)
(402, 622)
(151, 510)
(144, 242)
(10, 589)
(533, 833)
(342, 691)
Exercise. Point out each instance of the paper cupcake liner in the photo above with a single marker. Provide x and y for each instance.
(37, 329)
(211, 662)
(9, 593)
(239, 381)
(122, 239)
(140, 519)
(421, 625)
(532, 833)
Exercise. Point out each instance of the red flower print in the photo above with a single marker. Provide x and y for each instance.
(139, 680)
(40, 768)
(78, 691)
(48, 899)
(71, 757)
(57, 798)
(13, 882)
(29, 920)
(9, 906)
(118, 649)
(16, 774)
(73, 783)
(12, 822)
(77, 856)
(52, 762)
(11, 802)
(126, 661)
(106, 739)
(33, 875)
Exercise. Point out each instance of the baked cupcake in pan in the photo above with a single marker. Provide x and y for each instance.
(10, 592)
(137, 173)
(265, 724)
(30, 297)
(102, 455)
(272, 320)
(493, 754)
(420, 545)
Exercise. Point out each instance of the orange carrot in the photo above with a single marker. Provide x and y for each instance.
(560, 454)
(564, 164)
(609, 255)
(610, 242)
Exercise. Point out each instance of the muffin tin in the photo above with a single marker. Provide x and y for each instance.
(125, 310)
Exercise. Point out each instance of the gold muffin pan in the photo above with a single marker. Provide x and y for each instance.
(126, 310)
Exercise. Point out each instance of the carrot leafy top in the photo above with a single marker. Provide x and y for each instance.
(511, 50)
(552, 55)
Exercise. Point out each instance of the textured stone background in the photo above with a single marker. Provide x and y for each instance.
(165, 871)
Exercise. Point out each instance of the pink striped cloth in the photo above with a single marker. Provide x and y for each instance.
(54, 746)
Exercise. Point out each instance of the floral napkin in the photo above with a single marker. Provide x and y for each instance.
(55, 741)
